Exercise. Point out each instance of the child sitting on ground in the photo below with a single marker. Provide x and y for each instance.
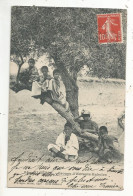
(66, 146)
(106, 145)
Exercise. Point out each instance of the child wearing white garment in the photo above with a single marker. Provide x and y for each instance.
(66, 146)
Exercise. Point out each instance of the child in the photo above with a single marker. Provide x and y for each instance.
(29, 76)
(44, 79)
(106, 145)
(66, 146)
(44, 82)
(56, 94)
(33, 73)
(87, 126)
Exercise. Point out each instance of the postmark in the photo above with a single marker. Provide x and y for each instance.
(109, 28)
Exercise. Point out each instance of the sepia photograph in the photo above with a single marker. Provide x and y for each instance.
(67, 97)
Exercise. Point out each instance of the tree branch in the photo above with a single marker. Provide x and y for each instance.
(19, 53)
(69, 117)
(20, 65)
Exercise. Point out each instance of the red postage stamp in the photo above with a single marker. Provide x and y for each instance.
(109, 28)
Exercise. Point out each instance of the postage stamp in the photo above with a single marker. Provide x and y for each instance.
(109, 28)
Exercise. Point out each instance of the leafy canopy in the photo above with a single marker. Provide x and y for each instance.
(69, 36)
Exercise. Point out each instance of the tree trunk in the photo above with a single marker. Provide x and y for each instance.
(20, 65)
(17, 79)
(71, 89)
(72, 98)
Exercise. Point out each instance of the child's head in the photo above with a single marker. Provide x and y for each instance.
(44, 70)
(86, 115)
(31, 63)
(103, 130)
(68, 129)
(56, 74)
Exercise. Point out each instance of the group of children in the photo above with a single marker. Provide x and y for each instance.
(67, 144)
(105, 147)
(44, 85)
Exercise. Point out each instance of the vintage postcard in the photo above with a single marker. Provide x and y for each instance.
(67, 98)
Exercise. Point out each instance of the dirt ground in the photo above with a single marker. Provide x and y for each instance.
(33, 126)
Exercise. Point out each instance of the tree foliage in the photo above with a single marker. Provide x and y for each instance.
(70, 37)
